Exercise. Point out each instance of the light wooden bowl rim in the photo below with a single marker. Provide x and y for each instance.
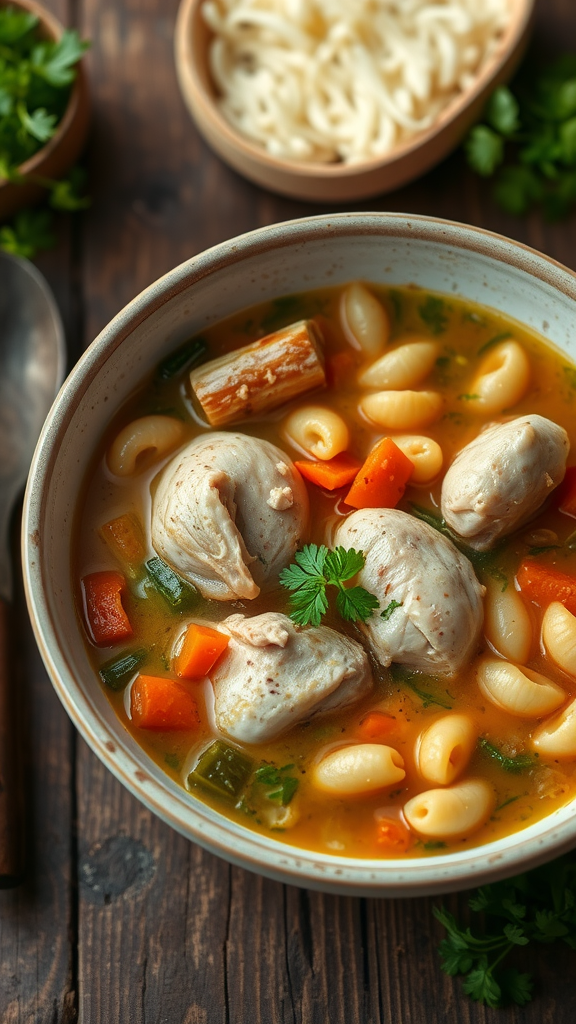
(193, 82)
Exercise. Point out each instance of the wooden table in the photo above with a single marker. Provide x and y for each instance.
(122, 921)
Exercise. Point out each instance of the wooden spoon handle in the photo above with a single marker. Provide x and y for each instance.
(11, 791)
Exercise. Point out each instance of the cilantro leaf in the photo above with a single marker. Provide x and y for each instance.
(342, 564)
(30, 231)
(433, 313)
(355, 604)
(509, 764)
(314, 569)
(55, 61)
(502, 111)
(389, 609)
(484, 150)
(40, 124)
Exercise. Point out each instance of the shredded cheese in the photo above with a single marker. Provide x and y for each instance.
(345, 80)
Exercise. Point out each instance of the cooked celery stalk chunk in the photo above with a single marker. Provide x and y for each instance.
(167, 583)
(117, 673)
(223, 769)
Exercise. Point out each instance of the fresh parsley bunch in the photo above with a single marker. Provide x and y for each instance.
(536, 907)
(528, 141)
(316, 569)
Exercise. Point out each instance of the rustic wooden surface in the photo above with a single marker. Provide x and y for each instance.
(121, 921)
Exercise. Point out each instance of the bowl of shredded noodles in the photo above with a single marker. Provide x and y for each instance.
(329, 100)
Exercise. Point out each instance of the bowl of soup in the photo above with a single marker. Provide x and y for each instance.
(300, 552)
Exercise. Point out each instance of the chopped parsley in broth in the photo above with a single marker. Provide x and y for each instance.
(295, 601)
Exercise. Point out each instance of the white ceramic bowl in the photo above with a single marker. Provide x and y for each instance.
(391, 249)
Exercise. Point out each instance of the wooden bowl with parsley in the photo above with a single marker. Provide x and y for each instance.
(44, 103)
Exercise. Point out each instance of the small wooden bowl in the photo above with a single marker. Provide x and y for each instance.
(337, 182)
(65, 146)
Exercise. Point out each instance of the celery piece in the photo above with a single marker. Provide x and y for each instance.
(186, 356)
(173, 589)
(117, 672)
(223, 770)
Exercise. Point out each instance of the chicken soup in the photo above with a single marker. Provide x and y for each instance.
(326, 566)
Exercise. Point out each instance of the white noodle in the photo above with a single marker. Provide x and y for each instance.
(343, 80)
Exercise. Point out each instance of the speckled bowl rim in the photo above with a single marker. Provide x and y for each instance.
(198, 822)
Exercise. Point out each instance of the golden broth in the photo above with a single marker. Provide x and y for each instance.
(337, 825)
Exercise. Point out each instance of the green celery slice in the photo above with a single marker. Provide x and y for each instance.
(167, 583)
(117, 672)
(223, 770)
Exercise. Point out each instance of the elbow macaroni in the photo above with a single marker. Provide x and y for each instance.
(141, 442)
(501, 381)
(361, 768)
(507, 623)
(402, 367)
(425, 455)
(403, 410)
(365, 321)
(557, 737)
(445, 748)
(521, 692)
(318, 431)
(559, 636)
(451, 813)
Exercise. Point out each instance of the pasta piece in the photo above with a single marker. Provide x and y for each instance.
(143, 441)
(521, 692)
(403, 410)
(366, 323)
(501, 381)
(445, 748)
(557, 737)
(362, 768)
(507, 623)
(559, 636)
(402, 367)
(451, 813)
(424, 453)
(317, 431)
(260, 376)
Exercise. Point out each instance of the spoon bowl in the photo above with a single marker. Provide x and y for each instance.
(32, 361)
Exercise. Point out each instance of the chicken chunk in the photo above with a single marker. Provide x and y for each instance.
(275, 674)
(501, 478)
(433, 598)
(213, 519)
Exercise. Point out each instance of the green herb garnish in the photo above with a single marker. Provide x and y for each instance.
(433, 313)
(434, 844)
(468, 398)
(510, 800)
(173, 761)
(536, 907)
(283, 786)
(187, 356)
(528, 141)
(494, 341)
(317, 568)
(389, 609)
(510, 764)
(413, 681)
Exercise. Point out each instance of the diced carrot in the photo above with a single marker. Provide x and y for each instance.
(201, 648)
(333, 473)
(340, 369)
(376, 724)
(566, 494)
(544, 584)
(382, 479)
(160, 703)
(393, 835)
(125, 539)
(107, 621)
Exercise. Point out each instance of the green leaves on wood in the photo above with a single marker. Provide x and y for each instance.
(536, 907)
(528, 141)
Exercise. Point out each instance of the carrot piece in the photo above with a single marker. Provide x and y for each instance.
(382, 479)
(544, 584)
(125, 539)
(107, 621)
(201, 648)
(332, 473)
(160, 703)
(376, 724)
(393, 835)
(340, 369)
(567, 493)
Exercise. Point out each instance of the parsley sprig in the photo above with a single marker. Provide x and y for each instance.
(536, 907)
(528, 140)
(315, 569)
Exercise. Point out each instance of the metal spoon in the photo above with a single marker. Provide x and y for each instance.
(32, 361)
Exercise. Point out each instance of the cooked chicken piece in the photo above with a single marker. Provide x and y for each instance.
(216, 518)
(275, 674)
(433, 598)
(502, 477)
